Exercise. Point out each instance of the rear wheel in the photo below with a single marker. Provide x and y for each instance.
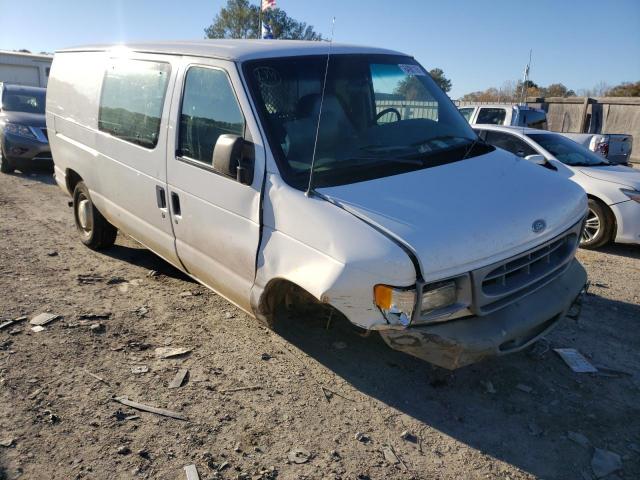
(599, 227)
(95, 231)
(5, 166)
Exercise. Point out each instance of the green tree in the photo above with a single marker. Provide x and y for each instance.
(625, 89)
(241, 19)
(557, 90)
(443, 82)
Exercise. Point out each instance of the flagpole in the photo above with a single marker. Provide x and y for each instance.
(260, 20)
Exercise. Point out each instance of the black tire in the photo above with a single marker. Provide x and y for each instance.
(5, 166)
(95, 232)
(599, 227)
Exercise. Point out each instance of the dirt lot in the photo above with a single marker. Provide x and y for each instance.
(315, 388)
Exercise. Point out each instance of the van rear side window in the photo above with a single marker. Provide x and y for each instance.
(133, 94)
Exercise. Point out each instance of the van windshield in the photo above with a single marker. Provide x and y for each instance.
(381, 115)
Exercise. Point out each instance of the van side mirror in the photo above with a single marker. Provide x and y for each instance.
(229, 158)
(537, 159)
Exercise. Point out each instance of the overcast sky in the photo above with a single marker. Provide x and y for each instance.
(477, 43)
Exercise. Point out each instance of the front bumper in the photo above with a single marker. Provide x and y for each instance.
(22, 152)
(461, 342)
(627, 215)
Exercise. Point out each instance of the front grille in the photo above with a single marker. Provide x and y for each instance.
(500, 284)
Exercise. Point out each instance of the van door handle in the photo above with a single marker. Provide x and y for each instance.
(175, 204)
(161, 197)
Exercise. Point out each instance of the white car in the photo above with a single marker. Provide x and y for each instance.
(275, 182)
(613, 190)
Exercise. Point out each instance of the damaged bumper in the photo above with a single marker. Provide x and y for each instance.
(461, 342)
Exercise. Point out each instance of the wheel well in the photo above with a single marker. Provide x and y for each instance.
(609, 211)
(72, 180)
(282, 295)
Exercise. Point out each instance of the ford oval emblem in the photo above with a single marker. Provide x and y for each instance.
(538, 226)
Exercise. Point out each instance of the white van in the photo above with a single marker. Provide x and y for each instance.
(274, 180)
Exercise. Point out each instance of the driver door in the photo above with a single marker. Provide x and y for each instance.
(216, 219)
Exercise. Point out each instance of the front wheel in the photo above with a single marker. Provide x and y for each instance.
(599, 226)
(95, 231)
(5, 166)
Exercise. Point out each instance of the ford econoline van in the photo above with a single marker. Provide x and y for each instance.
(283, 172)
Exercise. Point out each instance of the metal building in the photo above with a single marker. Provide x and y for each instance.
(24, 68)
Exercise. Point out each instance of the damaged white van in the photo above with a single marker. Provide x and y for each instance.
(279, 171)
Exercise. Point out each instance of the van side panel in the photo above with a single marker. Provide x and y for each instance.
(122, 177)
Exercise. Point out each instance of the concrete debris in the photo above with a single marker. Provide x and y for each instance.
(124, 450)
(139, 369)
(95, 316)
(43, 318)
(575, 360)
(361, 437)
(186, 294)
(524, 388)
(579, 438)
(171, 352)
(488, 386)
(409, 437)
(147, 408)
(179, 379)
(8, 323)
(192, 472)
(389, 455)
(605, 462)
(38, 328)
(141, 312)
(299, 455)
(6, 442)
(87, 279)
(97, 328)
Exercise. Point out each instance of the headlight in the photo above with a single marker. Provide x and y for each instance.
(445, 300)
(20, 130)
(632, 194)
(397, 304)
(438, 295)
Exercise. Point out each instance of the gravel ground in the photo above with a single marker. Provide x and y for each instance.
(259, 401)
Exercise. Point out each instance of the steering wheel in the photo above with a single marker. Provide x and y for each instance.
(389, 110)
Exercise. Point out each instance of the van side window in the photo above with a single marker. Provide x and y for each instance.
(493, 116)
(133, 94)
(209, 109)
(509, 143)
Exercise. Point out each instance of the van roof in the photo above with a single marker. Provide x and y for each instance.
(236, 50)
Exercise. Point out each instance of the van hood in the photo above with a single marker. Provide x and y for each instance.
(467, 214)
(619, 174)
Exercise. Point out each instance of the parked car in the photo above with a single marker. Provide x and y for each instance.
(614, 147)
(237, 163)
(613, 190)
(504, 114)
(24, 141)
